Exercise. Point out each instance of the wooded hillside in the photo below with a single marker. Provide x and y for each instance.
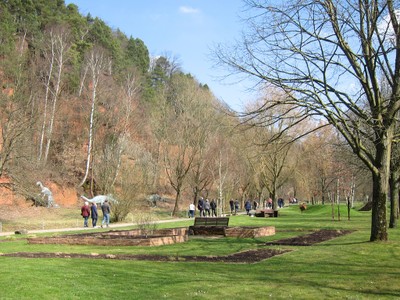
(85, 106)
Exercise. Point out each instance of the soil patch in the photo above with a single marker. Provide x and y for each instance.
(311, 239)
(250, 256)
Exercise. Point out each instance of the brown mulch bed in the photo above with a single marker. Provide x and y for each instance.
(249, 256)
(310, 239)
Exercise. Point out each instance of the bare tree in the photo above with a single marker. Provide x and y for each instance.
(273, 161)
(201, 172)
(200, 175)
(318, 163)
(59, 41)
(121, 101)
(17, 116)
(394, 182)
(15, 123)
(185, 134)
(133, 180)
(328, 57)
(97, 63)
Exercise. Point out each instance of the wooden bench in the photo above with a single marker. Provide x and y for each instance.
(266, 213)
(209, 226)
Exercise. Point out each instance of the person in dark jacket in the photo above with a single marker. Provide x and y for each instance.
(236, 206)
(213, 206)
(247, 206)
(93, 213)
(105, 208)
(200, 206)
(207, 208)
(232, 205)
(85, 213)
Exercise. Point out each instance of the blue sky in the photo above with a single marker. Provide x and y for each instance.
(185, 29)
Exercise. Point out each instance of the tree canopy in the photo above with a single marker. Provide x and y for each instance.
(330, 58)
(84, 105)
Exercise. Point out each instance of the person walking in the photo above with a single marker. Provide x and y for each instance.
(236, 206)
(247, 206)
(269, 203)
(232, 205)
(105, 208)
(192, 208)
(94, 214)
(85, 213)
(255, 205)
(200, 206)
(207, 208)
(213, 206)
(281, 202)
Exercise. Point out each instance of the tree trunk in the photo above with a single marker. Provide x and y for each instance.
(195, 195)
(177, 199)
(46, 100)
(379, 196)
(90, 140)
(95, 64)
(348, 208)
(82, 81)
(56, 93)
(380, 183)
(221, 180)
(394, 198)
(338, 199)
(332, 205)
(157, 168)
(353, 192)
(398, 204)
(273, 196)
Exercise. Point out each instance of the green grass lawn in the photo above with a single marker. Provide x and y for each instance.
(348, 267)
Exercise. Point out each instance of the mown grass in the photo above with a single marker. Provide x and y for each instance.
(56, 218)
(46, 218)
(348, 267)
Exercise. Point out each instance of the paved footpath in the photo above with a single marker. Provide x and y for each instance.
(112, 226)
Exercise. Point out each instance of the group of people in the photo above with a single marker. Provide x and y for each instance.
(248, 205)
(206, 208)
(91, 211)
(267, 203)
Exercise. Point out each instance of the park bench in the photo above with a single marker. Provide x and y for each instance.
(266, 213)
(209, 226)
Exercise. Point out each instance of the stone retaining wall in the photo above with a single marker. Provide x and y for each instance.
(249, 232)
(119, 238)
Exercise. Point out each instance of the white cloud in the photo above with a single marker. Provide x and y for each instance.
(188, 10)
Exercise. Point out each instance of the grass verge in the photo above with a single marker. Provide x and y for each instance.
(348, 267)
